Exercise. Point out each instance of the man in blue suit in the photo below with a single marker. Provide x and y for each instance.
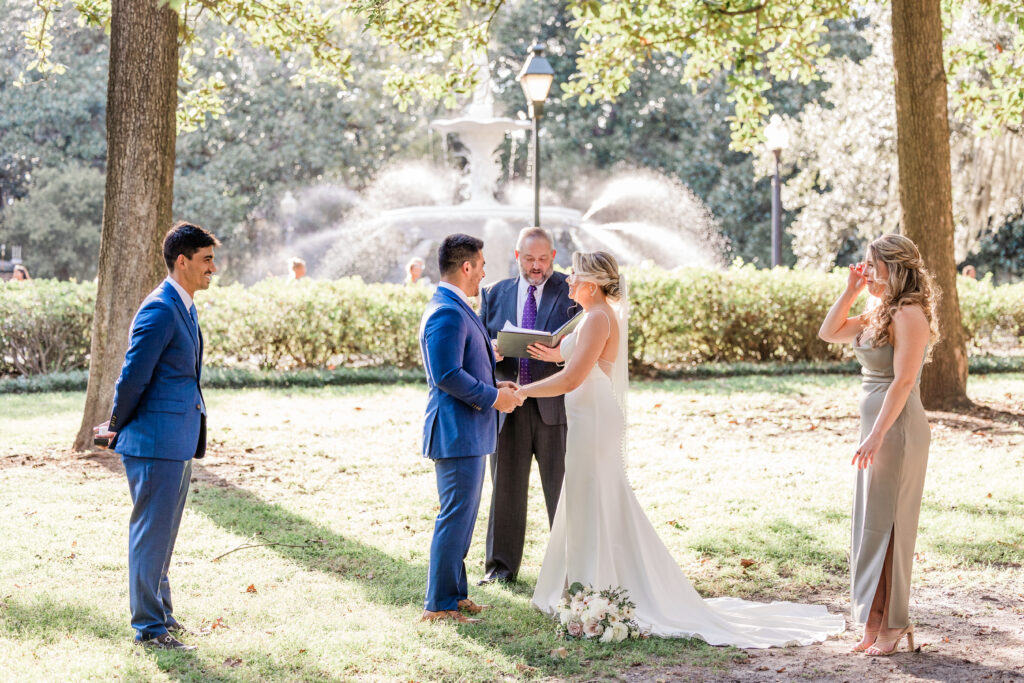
(461, 425)
(158, 424)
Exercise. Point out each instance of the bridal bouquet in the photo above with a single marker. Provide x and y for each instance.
(606, 615)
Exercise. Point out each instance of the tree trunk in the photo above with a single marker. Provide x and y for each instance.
(922, 130)
(142, 98)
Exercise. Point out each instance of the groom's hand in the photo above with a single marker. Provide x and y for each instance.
(507, 400)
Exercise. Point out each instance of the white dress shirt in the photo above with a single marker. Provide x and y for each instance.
(457, 290)
(521, 298)
(185, 296)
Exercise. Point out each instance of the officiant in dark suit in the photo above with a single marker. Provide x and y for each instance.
(538, 299)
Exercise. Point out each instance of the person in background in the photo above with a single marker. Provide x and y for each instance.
(20, 273)
(298, 267)
(414, 272)
(970, 271)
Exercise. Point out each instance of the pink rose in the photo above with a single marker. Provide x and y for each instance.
(575, 629)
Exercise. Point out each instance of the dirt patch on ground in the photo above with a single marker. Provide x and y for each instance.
(965, 635)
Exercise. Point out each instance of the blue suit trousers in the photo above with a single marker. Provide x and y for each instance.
(459, 484)
(158, 488)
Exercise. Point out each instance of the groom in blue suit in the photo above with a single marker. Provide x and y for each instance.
(158, 424)
(461, 425)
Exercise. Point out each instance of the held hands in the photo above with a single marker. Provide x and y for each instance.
(103, 432)
(857, 281)
(550, 354)
(508, 399)
(521, 394)
(865, 454)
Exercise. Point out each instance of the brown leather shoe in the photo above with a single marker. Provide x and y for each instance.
(468, 605)
(452, 614)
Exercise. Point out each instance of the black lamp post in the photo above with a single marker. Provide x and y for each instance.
(778, 139)
(535, 78)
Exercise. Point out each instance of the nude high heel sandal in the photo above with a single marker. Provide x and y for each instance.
(873, 651)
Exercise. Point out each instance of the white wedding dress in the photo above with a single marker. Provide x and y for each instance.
(602, 538)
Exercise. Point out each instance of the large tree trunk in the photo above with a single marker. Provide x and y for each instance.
(922, 129)
(142, 97)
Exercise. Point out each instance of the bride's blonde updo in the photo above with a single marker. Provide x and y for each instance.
(600, 268)
(909, 283)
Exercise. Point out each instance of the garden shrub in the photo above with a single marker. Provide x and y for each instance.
(679, 318)
(45, 326)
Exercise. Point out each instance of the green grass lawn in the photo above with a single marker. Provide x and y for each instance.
(747, 468)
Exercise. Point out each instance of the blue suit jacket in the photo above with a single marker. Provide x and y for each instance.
(460, 420)
(158, 407)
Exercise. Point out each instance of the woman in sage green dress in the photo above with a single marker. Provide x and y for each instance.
(891, 342)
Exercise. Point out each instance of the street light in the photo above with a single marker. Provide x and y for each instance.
(535, 78)
(777, 136)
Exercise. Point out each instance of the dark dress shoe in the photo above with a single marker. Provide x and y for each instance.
(164, 641)
(178, 628)
(445, 615)
(468, 605)
(496, 578)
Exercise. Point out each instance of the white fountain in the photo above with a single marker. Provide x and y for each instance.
(498, 224)
(639, 215)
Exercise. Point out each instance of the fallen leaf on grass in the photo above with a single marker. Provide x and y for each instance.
(747, 563)
(218, 623)
(559, 653)
(945, 639)
(232, 662)
(778, 671)
(523, 668)
(251, 588)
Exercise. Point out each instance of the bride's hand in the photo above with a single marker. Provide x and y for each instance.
(549, 354)
(521, 394)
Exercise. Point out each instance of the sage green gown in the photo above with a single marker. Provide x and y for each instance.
(887, 498)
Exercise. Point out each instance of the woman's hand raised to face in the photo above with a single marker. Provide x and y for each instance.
(857, 281)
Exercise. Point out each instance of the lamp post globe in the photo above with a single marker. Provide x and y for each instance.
(777, 139)
(536, 78)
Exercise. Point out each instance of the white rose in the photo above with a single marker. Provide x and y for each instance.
(592, 628)
(621, 631)
(608, 635)
(564, 616)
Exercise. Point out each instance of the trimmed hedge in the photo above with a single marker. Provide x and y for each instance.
(679, 319)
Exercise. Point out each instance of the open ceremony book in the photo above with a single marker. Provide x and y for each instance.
(512, 340)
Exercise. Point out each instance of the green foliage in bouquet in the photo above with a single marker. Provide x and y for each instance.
(606, 615)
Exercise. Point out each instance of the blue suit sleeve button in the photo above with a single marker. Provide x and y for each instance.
(198, 407)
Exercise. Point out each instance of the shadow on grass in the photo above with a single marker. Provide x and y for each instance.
(515, 630)
(47, 620)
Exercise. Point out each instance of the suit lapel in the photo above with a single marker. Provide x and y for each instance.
(452, 296)
(187, 319)
(510, 302)
(552, 291)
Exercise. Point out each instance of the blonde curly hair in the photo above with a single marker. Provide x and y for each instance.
(909, 284)
(600, 268)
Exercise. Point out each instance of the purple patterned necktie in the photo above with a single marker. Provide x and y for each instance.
(529, 320)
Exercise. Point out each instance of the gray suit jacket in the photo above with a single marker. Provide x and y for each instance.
(498, 304)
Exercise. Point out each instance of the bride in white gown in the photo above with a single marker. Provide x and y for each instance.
(601, 536)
